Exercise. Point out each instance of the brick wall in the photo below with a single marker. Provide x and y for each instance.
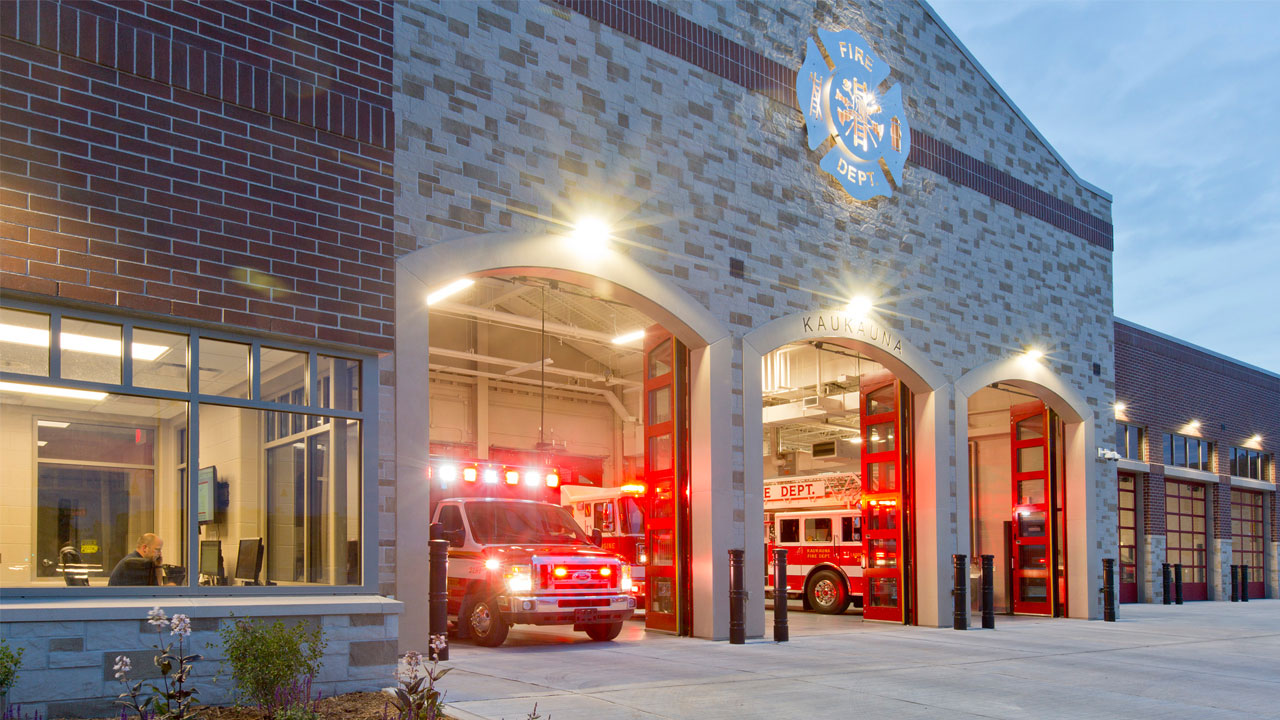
(1153, 501)
(225, 163)
(1221, 508)
(1164, 384)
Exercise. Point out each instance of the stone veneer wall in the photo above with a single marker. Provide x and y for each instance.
(67, 668)
(510, 113)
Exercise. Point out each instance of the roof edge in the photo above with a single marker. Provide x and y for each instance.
(1193, 346)
(1018, 111)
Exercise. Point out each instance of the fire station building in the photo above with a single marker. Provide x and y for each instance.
(270, 269)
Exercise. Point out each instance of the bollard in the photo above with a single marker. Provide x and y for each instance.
(1108, 589)
(1235, 583)
(438, 593)
(1244, 583)
(1168, 582)
(737, 630)
(781, 633)
(988, 592)
(959, 593)
(1177, 583)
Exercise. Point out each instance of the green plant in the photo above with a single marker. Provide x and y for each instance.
(10, 661)
(173, 700)
(416, 696)
(266, 659)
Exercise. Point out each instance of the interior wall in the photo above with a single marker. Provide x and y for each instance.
(992, 495)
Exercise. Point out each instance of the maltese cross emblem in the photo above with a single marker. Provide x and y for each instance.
(872, 139)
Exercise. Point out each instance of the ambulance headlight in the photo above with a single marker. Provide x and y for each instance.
(519, 579)
(625, 584)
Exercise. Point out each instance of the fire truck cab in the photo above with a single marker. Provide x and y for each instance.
(618, 513)
(515, 558)
(818, 521)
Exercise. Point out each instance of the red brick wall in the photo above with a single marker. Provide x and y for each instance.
(220, 162)
(1165, 384)
(1222, 508)
(1154, 520)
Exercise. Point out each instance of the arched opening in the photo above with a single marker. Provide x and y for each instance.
(532, 362)
(1022, 436)
(844, 413)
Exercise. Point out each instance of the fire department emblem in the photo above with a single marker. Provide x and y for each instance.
(872, 139)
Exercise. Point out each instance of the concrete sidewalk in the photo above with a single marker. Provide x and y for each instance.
(1200, 660)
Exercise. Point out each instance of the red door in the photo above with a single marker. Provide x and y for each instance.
(883, 506)
(1246, 537)
(1186, 537)
(1128, 565)
(1033, 511)
(666, 471)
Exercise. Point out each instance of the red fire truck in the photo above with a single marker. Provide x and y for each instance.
(515, 558)
(618, 513)
(818, 520)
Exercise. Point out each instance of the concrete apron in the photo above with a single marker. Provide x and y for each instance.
(1202, 660)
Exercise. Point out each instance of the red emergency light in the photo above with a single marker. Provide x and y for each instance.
(637, 488)
(512, 477)
(553, 480)
(469, 474)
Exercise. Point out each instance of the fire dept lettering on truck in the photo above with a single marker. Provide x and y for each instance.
(845, 102)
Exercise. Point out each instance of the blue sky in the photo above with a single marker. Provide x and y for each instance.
(1173, 108)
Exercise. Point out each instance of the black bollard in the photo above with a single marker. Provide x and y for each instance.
(960, 592)
(1108, 589)
(1235, 583)
(988, 592)
(1244, 583)
(1167, 583)
(438, 593)
(1177, 583)
(780, 631)
(737, 630)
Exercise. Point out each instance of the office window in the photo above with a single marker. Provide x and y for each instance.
(1130, 441)
(1248, 463)
(1188, 452)
(101, 452)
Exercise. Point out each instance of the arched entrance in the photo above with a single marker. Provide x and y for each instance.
(1023, 436)
(893, 418)
(607, 277)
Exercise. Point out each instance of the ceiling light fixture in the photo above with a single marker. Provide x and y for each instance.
(52, 391)
(627, 338)
(78, 343)
(449, 290)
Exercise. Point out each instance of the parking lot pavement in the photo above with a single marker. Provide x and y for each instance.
(1200, 660)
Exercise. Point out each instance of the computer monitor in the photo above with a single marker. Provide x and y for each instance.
(249, 560)
(211, 558)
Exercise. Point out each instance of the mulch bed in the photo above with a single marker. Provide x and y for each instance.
(351, 706)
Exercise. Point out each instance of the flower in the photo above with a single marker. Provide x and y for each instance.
(156, 617)
(181, 625)
(122, 667)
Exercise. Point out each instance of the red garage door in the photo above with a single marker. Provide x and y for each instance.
(1187, 539)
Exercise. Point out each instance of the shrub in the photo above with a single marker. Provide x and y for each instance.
(10, 661)
(268, 660)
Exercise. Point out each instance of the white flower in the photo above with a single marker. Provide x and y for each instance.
(122, 667)
(156, 617)
(181, 625)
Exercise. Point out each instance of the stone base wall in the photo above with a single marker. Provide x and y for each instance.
(67, 667)
(1152, 578)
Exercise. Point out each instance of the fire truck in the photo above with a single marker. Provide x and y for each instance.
(517, 558)
(818, 520)
(618, 513)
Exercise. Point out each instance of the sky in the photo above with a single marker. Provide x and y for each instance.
(1174, 109)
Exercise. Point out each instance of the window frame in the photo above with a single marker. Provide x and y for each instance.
(1138, 441)
(1207, 452)
(367, 415)
(1263, 460)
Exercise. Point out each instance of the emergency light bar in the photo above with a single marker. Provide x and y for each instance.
(447, 473)
(637, 488)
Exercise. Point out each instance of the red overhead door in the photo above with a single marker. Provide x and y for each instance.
(1186, 537)
(1246, 537)
(884, 502)
(666, 471)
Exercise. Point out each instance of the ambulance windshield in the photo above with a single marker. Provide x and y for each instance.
(500, 523)
(631, 515)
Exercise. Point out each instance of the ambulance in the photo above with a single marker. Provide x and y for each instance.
(516, 556)
(817, 519)
(618, 513)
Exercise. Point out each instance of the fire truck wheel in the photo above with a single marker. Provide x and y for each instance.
(826, 593)
(485, 622)
(601, 632)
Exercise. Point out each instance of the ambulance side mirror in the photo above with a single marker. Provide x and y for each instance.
(597, 537)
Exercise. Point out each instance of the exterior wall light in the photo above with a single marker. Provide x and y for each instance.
(1256, 439)
(449, 290)
(1120, 408)
(1034, 355)
(859, 306)
(590, 236)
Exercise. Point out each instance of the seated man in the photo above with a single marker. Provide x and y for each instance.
(142, 566)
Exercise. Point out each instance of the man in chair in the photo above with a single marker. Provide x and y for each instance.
(142, 566)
